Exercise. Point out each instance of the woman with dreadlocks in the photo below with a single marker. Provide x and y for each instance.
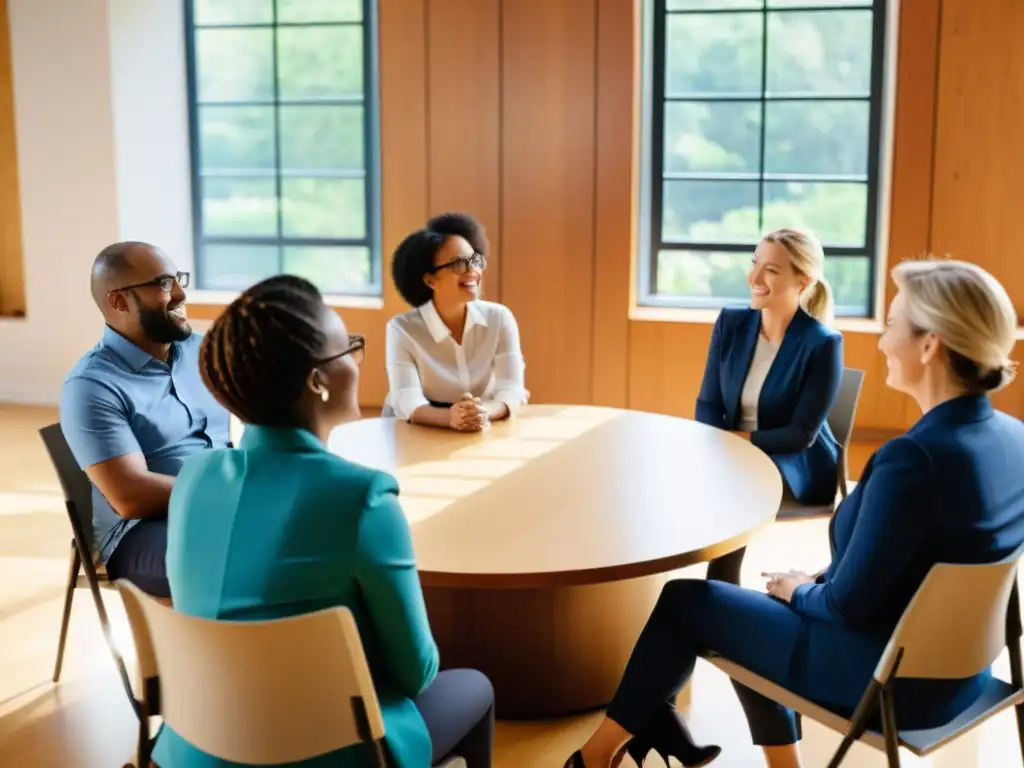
(280, 526)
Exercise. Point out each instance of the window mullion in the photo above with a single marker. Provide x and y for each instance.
(764, 109)
(277, 142)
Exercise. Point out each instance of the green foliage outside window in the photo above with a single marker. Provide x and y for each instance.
(282, 152)
(765, 121)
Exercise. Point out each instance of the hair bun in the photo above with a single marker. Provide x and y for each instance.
(1007, 373)
(994, 379)
(997, 378)
(979, 378)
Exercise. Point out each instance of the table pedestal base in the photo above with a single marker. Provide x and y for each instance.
(548, 651)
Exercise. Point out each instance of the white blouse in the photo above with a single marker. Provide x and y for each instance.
(764, 356)
(424, 363)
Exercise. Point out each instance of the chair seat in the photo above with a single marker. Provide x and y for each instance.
(789, 509)
(997, 696)
(102, 578)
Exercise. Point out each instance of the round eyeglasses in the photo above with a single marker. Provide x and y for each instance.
(356, 348)
(461, 265)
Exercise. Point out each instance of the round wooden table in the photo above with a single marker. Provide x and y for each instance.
(542, 543)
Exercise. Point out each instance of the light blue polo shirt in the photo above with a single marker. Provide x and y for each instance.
(119, 399)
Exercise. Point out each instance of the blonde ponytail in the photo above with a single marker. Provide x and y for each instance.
(817, 301)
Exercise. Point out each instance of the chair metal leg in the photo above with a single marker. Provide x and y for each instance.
(889, 728)
(858, 723)
(843, 474)
(108, 633)
(69, 595)
(144, 750)
(727, 567)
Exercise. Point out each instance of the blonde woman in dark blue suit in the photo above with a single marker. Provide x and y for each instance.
(949, 490)
(773, 371)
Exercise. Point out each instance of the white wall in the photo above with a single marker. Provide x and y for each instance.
(150, 101)
(101, 121)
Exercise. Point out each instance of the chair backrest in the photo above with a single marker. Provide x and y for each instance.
(956, 624)
(840, 418)
(256, 692)
(76, 485)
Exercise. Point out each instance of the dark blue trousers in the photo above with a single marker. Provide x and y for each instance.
(826, 663)
(458, 708)
(141, 557)
(693, 617)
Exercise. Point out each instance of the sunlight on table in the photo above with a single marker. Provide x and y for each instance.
(428, 488)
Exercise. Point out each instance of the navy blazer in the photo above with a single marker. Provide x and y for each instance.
(950, 490)
(797, 394)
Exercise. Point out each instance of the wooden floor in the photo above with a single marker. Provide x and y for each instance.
(85, 722)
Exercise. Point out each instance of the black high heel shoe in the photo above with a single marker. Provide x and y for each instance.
(668, 735)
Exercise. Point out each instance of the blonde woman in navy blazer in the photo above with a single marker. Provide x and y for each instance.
(949, 490)
(773, 371)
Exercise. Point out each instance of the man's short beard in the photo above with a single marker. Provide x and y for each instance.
(159, 327)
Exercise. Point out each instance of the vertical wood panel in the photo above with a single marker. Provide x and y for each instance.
(617, 166)
(464, 86)
(979, 155)
(403, 140)
(548, 99)
(666, 366)
(12, 276)
(910, 198)
(879, 407)
(913, 128)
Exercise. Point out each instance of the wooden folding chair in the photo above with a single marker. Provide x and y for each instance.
(256, 692)
(955, 627)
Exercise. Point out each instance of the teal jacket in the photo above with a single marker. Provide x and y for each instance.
(280, 526)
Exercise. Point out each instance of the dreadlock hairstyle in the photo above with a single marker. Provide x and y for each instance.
(256, 356)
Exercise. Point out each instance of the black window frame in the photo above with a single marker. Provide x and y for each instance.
(655, 66)
(370, 101)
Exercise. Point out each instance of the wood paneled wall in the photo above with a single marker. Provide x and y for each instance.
(978, 170)
(12, 273)
(524, 113)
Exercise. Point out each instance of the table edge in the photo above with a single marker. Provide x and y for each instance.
(591, 576)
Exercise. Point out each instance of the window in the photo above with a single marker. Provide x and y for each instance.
(284, 142)
(763, 114)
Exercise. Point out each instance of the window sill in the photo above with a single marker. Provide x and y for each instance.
(708, 316)
(220, 299)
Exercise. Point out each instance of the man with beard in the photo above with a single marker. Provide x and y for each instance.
(134, 408)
